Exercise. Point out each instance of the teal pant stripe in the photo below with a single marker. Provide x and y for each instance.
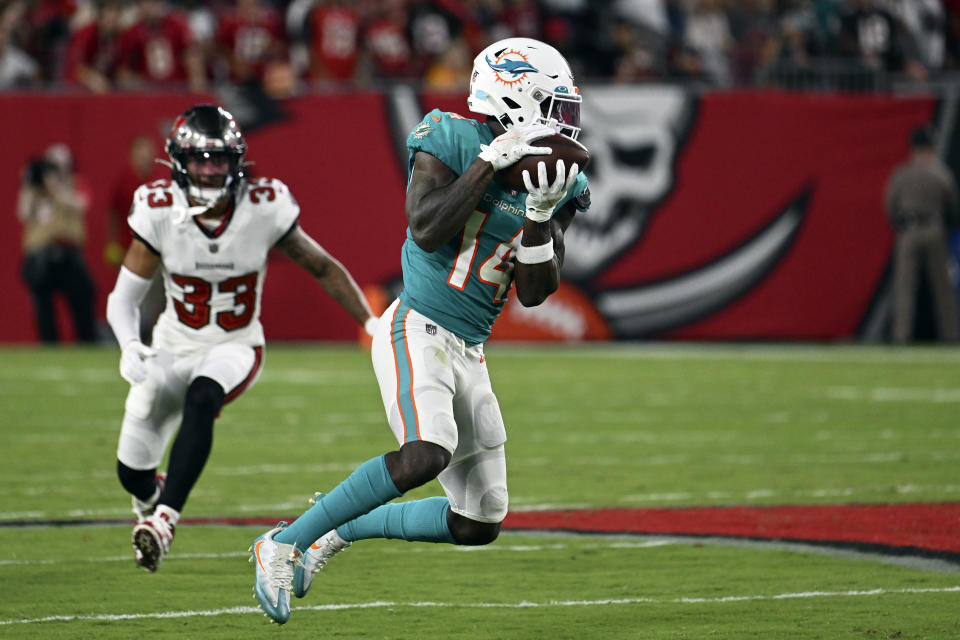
(408, 412)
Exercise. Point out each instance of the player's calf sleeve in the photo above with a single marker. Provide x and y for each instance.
(368, 487)
(191, 447)
(139, 482)
(417, 521)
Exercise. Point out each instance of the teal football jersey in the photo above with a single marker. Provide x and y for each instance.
(463, 285)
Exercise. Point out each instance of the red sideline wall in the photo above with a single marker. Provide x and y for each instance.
(335, 153)
(742, 156)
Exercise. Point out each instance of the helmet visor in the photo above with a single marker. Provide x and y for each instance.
(566, 110)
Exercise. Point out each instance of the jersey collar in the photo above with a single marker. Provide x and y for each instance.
(220, 228)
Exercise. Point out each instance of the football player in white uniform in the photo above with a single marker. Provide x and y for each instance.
(208, 230)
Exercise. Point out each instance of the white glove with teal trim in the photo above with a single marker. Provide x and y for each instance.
(514, 144)
(543, 199)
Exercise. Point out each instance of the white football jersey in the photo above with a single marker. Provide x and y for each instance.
(213, 277)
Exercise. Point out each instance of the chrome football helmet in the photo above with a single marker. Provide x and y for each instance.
(205, 132)
(522, 81)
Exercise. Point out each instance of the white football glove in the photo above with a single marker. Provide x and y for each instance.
(514, 144)
(370, 326)
(543, 199)
(133, 361)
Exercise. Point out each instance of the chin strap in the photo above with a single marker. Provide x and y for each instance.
(182, 214)
(185, 213)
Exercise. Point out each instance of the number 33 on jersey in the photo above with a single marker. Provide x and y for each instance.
(214, 274)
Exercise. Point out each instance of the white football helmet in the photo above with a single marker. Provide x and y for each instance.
(523, 81)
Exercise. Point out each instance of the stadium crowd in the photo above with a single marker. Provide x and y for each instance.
(287, 47)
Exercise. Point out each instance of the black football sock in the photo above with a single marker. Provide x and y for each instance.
(139, 482)
(191, 447)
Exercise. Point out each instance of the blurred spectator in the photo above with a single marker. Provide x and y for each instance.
(521, 19)
(202, 21)
(250, 38)
(433, 27)
(753, 29)
(651, 14)
(203, 18)
(296, 25)
(388, 48)
(818, 21)
(708, 33)
(638, 54)
(676, 17)
(921, 199)
(17, 68)
(926, 24)
(158, 50)
(139, 168)
(92, 51)
(334, 27)
(788, 57)
(451, 71)
(827, 18)
(727, 42)
(572, 27)
(52, 205)
(46, 30)
(871, 35)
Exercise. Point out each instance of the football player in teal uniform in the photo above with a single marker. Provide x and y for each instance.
(470, 240)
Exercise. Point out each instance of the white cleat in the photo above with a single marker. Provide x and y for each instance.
(274, 563)
(314, 559)
(151, 540)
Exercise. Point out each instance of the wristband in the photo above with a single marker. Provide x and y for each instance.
(538, 215)
(370, 326)
(535, 255)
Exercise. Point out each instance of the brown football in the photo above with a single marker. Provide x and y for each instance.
(564, 148)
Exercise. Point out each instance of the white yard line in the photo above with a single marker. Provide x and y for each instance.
(599, 541)
(939, 395)
(538, 503)
(524, 604)
(516, 548)
(719, 351)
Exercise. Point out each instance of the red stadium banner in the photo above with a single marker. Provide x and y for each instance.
(725, 216)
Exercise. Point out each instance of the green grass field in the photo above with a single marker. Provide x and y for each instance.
(613, 426)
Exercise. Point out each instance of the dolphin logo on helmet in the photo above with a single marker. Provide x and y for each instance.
(520, 81)
(513, 67)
